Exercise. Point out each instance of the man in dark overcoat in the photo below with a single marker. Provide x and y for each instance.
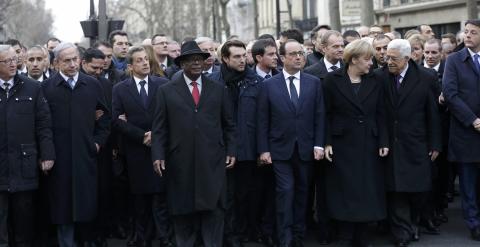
(134, 99)
(414, 131)
(25, 139)
(193, 139)
(74, 98)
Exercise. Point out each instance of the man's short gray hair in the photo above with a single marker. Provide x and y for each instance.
(201, 40)
(4, 48)
(62, 46)
(402, 45)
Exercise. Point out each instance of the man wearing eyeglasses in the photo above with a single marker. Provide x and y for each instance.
(290, 136)
(160, 46)
(25, 139)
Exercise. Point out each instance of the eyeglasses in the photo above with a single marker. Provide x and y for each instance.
(161, 43)
(296, 53)
(394, 59)
(9, 61)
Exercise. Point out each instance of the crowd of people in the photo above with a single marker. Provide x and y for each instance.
(345, 135)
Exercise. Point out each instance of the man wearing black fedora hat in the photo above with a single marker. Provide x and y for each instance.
(192, 145)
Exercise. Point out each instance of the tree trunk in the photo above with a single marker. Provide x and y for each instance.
(334, 6)
(367, 13)
(225, 24)
(255, 19)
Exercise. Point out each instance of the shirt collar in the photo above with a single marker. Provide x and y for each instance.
(404, 72)
(188, 81)
(209, 71)
(262, 73)
(138, 80)
(75, 77)
(287, 75)
(436, 67)
(328, 64)
(472, 53)
(10, 82)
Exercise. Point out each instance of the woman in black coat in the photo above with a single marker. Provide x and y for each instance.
(356, 141)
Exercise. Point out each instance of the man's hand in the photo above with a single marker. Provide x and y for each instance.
(147, 138)
(318, 153)
(265, 158)
(476, 124)
(98, 147)
(98, 114)
(441, 99)
(122, 117)
(383, 152)
(329, 153)
(46, 166)
(433, 155)
(159, 166)
(230, 161)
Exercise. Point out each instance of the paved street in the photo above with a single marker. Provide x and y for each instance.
(454, 234)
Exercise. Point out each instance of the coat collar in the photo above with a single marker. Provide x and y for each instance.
(182, 88)
(343, 83)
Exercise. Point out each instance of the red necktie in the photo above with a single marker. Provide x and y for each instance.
(195, 93)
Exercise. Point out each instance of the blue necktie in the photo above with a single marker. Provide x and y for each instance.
(143, 93)
(267, 76)
(71, 82)
(293, 92)
(475, 61)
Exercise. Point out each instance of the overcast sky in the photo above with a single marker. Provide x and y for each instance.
(67, 15)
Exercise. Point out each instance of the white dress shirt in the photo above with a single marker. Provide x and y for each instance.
(329, 65)
(198, 81)
(75, 78)
(436, 67)
(296, 82)
(262, 73)
(137, 82)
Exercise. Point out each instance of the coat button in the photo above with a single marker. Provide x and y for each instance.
(360, 121)
(24, 153)
(196, 110)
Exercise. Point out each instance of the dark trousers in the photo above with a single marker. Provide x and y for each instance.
(354, 232)
(468, 174)
(254, 199)
(150, 214)
(208, 223)
(105, 174)
(291, 185)
(17, 217)
(230, 231)
(72, 234)
(404, 210)
(324, 225)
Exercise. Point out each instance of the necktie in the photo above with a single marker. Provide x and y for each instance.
(71, 82)
(397, 81)
(195, 93)
(163, 66)
(475, 61)
(6, 85)
(205, 72)
(267, 76)
(293, 92)
(143, 93)
(333, 68)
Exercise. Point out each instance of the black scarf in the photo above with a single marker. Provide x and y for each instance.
(231, 76)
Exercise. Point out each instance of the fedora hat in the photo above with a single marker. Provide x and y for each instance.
(190, 48)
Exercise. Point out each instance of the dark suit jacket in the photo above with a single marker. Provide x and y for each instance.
(314, 58)
(414, 129)
(280, 125)
(126, 100)
(461, 92)
(194, 141)
(319, 69)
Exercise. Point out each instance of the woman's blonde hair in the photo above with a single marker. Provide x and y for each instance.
(356, 49)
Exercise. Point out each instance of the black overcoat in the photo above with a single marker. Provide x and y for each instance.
(414, 128)
(126, 100)
(72, 183)
(194, 141)
(356, 130)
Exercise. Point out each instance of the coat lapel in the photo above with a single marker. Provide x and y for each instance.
(367, 87)
(133, 90)
(152, 89)
(282, 86)
(469, 60)
(206, 91)
(182, 89)
(344, 86)
(408, 83)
